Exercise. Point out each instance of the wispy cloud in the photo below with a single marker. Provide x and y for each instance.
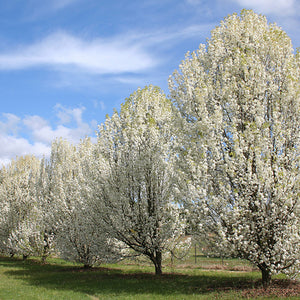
(99, 104)
(41, 9)
(194, 2)
(79, 62)
(59, 4)
(126, 53)
(168, 37)
(62, 50)
(276, 7)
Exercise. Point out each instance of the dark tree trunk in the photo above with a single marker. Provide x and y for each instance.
(265, 275)
(46, 248)
(25, 257)
(45, 253)
(87, 266)
(157, 260)
(158, 270)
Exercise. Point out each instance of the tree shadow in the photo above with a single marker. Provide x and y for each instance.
(117, 281)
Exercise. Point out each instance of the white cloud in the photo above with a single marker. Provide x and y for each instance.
(276, 7)
(42, 132)
(35, 122)
(67, 114)
(62, 50)
(10, 124)
(47, 134)
(70, 126)
(17, 146)
(127, 53)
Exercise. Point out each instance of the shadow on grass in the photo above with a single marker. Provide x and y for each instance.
(117, 281)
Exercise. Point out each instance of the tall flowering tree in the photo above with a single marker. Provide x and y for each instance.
(135, 187)
(239, 113)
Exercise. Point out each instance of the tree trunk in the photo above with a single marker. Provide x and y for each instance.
(158, 270)
(46, 248)
(157, 260)
(43, 259)
(25, 257)
(87, 266)
(265, 275)
(45, 253)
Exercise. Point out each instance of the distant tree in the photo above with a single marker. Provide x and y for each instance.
(4, 209)
(239, 117)
(44, 194)
(21, 216)
(134, 190)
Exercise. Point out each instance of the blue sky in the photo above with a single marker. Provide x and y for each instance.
(65, 64)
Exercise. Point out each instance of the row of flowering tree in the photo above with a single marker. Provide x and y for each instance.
(94, 202)
(220, 155)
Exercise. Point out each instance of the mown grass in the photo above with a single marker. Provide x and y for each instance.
(58, 279)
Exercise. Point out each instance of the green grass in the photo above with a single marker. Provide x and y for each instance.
(62, 280)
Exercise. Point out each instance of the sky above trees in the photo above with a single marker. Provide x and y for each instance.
(65, 64)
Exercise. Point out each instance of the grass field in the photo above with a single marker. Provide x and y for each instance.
(207, 279)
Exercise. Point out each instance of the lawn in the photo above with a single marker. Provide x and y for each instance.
(208, 279)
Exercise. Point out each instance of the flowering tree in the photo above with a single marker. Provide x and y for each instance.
(21, 216)
(77, 235)
(239, 110)
(4, 209)
(44, 194)
(134, 188)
